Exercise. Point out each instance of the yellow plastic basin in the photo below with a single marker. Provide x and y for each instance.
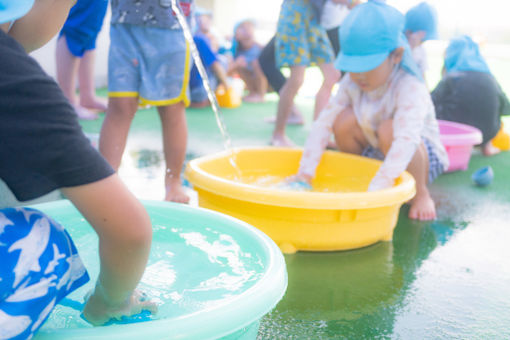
(338, 214)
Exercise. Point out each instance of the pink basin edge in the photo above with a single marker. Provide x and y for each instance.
(452, 133)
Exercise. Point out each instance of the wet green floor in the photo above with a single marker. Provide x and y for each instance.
(448, 279)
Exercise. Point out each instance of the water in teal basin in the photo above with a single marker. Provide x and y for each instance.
(210, 275)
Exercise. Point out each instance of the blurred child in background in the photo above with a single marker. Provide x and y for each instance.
(420, 26)
(468, 92)
(245, 51)
(76, 55)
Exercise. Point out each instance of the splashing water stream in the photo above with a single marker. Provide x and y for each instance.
(227, 141)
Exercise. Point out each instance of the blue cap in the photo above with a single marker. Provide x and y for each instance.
(463, 54)
(369, 34)
(422, 17)
(14, 9)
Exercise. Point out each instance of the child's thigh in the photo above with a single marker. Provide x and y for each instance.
(346, 123)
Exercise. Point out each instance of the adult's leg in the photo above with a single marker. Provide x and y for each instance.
(114, 131)
(287, 95)
(422, 205)
(175, 138)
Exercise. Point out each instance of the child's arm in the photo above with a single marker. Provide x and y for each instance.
(412, 104)
(321, 131)
(125, 235)
(220, 73)
(41, 23)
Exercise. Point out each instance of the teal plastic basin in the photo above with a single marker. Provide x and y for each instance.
(213, 277)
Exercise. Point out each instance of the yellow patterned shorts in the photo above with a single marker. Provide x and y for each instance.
(300, 40)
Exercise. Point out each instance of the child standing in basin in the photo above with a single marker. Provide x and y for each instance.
(382, 108)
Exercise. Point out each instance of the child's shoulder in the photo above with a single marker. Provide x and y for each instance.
(410, 83)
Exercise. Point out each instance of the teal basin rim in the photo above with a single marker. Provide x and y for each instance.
(210, 323)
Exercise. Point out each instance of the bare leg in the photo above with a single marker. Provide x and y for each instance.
(286, 103)
(348, 134)
(114, 131)
(67, 70)
(175, 137)
(331, 76)
(88, 96)
(248, 79)
(422, 205)
(490, 150)
(259, 84)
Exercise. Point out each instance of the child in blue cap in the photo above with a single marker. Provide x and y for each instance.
(382, 108)
(420, 26)
(245, 52)
(469, 93)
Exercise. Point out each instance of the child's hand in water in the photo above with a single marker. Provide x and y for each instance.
(298, 182)
(97, 311)
(380, 183)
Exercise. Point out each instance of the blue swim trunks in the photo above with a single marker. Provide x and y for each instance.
(39, 266)
(83, 25)
(300, 39)
(150, 63)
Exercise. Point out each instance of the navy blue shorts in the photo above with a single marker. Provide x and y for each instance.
(39, 266)
(435, 166)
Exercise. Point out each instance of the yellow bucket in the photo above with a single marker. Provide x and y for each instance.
(338, 214)
(227, 97)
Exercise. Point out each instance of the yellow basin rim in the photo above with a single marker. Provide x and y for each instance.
(201, 179)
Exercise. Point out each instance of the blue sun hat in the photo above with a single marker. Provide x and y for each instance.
(369, 34)
(422, 17)
(14, 9)
(463, 54)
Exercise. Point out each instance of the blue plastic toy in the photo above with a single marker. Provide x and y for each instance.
(483, 176)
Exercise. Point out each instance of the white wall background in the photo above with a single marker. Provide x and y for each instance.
(486, 20)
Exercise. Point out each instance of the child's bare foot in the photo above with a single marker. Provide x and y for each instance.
(253, 98)
(282, 141)
(84, 113)
(176, 193)
(96, 103)
(490, 150)
(422, 207)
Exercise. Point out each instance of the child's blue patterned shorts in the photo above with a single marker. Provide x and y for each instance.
(39, 266)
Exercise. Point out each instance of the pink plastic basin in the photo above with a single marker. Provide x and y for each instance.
(458, 140)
